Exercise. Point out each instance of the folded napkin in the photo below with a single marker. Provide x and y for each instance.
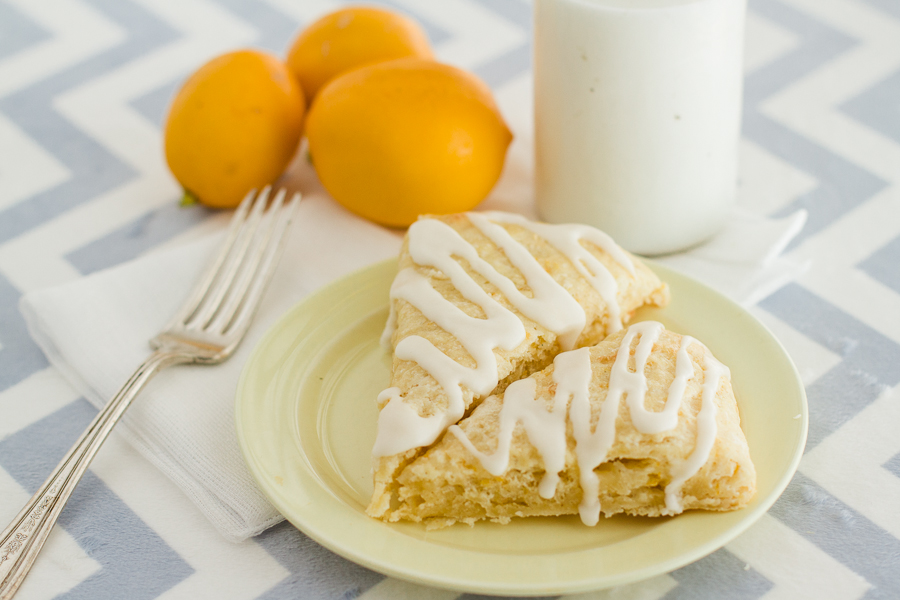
(743, 260)
(95, 331)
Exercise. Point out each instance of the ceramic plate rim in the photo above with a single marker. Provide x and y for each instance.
(308, 519)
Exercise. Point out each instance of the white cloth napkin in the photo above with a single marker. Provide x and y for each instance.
(744, 260)
(95, 331)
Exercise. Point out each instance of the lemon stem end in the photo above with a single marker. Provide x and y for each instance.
(188, 199)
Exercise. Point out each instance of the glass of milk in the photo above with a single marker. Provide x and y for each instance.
(637, 117)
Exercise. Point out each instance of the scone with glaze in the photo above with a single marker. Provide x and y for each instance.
(482, 300)
(643, 423)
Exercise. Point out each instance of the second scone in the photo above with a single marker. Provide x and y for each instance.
(644, 423)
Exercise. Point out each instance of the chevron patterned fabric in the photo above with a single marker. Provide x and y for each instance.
(84, 86)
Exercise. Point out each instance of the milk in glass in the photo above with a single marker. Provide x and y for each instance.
(637, 117)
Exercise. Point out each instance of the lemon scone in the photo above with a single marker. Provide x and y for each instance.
(643, 423)
(484, 299)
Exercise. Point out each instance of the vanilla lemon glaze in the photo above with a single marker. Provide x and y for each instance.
(432, 243)
(546, 430)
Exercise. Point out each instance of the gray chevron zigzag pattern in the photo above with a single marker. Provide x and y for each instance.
(80, 78)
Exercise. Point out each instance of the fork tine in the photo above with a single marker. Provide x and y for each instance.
(212, 300)
(235, 294)
(205, 282)
(236, 327)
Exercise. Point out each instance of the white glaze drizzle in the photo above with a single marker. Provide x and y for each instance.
(552, 306)
(706, 434)
(435, 244)
(479, 337)
(572, 375)
(546, 431)
(403, 428)
(567, 239)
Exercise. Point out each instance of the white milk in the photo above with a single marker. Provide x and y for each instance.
(637, 117)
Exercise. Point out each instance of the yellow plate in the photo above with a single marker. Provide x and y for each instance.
(306, 423)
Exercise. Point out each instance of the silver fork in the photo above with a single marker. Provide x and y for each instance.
(206, 330)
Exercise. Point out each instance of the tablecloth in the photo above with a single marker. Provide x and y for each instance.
(84, 86)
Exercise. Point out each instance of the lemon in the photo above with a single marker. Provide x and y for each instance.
(233, 126)
(398, 139)
(350, 38)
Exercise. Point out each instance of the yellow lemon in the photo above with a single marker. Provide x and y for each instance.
(350, 38)
(398, 139)
(234, 126)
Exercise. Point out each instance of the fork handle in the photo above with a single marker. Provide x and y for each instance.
(23, 539)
